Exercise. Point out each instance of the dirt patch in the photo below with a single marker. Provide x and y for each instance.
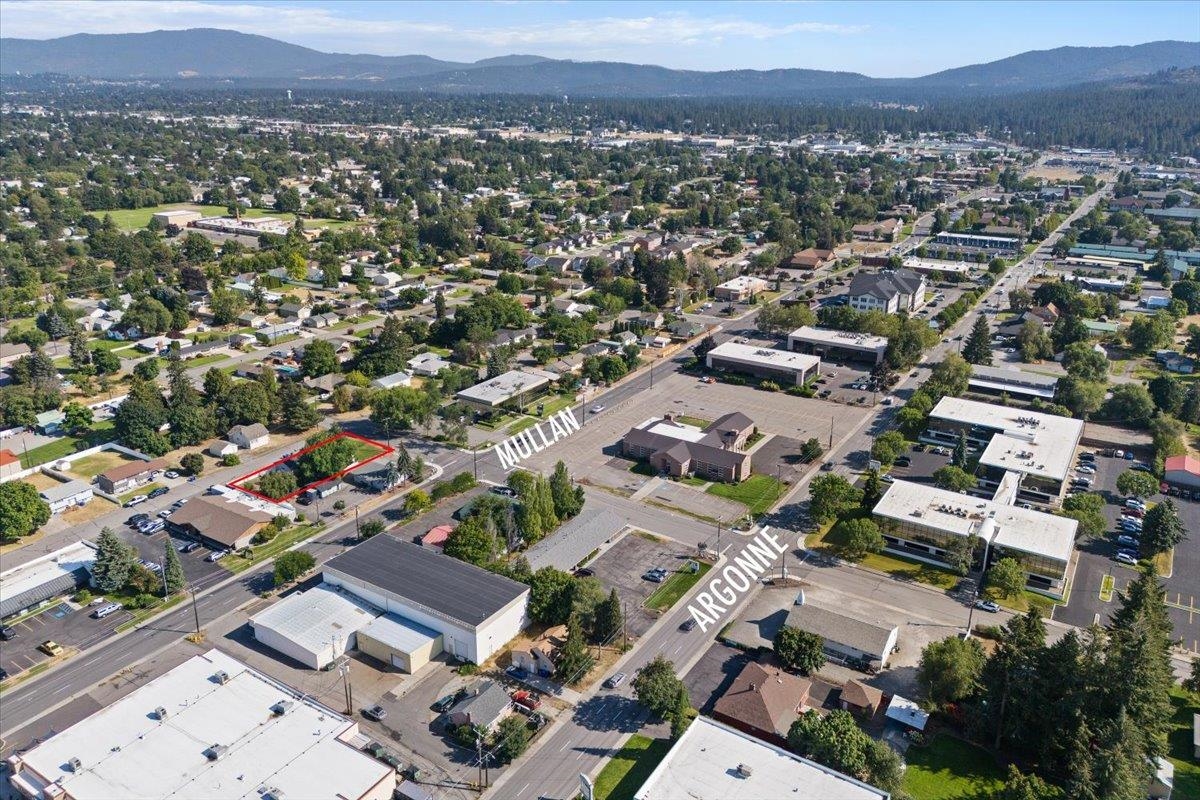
(39, 480)
(78, 515)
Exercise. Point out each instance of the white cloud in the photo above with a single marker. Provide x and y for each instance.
(326, 29)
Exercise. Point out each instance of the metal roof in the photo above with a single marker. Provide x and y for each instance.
(572, 542)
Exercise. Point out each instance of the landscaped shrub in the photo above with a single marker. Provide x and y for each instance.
(768, 386)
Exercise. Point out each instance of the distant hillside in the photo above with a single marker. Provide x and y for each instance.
(204, 54)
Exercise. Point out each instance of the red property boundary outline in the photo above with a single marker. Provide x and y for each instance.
(383, 451)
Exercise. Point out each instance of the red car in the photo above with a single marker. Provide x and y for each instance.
(526, 699)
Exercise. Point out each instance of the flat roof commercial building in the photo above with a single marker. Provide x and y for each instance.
(575, 540)
(1001, 380)
(210, 729)
(743, 287)
(475, 611)
(847, 639)
(315, 627)
(52, 575)
(920, 521)
(1005, 244)
(830, 344)
(792, 369)
(1039, 447)
(511, 387)
(712, 761)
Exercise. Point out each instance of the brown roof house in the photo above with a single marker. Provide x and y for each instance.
(716, 452)
(218, 521)
(859, 698)
(763, 701)
(128, 476)
(809, 259)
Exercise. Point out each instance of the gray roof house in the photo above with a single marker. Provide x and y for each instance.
(567, 547)
(485, 706)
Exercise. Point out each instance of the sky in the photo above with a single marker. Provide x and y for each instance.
(880, 39)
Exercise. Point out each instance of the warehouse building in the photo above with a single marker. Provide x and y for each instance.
(712, 761)
(790, 369)
(428, 588)
(315, 627)
(835, 345)
(1182, 471)
(575, 540)
(209, 728)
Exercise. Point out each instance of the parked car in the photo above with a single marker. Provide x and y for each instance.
(1140, 467)
(503, 491)
(154, 527)
(190, 547)
(1129, 455)
(987, 605)
(708, 379)
(159, 492)
(375, 712)
(584, 572)
(613, 681)
(216, 555)
(7, 634)
(1135, 513)
(1133, 502)
(827, 466)
(136, 500)
(446, 703)
(166, 512)
(170, 474)
(516, 673)
(1127, 539)
(526, 699)
(903, 461)
(136, 518)
(51, 648)
(1126, 558)
(596, 409)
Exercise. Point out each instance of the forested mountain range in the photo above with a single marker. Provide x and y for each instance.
(204, 55)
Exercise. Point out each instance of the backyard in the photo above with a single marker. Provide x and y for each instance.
(1179, 745)
(89, 467)
(101, 432)
(630, 767)
(947, 768)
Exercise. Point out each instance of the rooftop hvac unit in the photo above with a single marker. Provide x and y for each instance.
(215, 752)
(272, 793)
(160, 713)
(744, 770)
(282, 707)
(75, 764)
(222, 677)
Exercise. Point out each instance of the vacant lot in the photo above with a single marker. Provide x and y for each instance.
(131, 219)
(89, 467)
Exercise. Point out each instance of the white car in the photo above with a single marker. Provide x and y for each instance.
(216, 555)
(1126, 558)
(596, 409)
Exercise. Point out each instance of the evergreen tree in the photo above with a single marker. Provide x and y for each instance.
(872, 490)
(574, 660)
(609, 619)
(681, 714)
(959, 458)
(114, 560)
(567, 499)
(172, 568)
(977, 349)
(1139, 661)
(1163, 529)
(81, 356)
(404, 461)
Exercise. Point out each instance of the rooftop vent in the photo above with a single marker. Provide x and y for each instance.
(160, 713)
(744, 771)
(221, 677)
(282, 707)
(272, 793)
(75, 764)
(215, 752)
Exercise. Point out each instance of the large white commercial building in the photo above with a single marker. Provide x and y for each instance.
(831, 344)
(712, 761)
(512, 386)
(793, 369)
(920, 521)
(210, 729)
(44, 578)
(474, 611)
(1038, 447)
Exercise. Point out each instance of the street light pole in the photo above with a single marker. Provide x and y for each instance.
(195, 610)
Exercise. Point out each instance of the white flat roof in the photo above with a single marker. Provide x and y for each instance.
(313, 619)
(126, 751)
(1029, 442)
(678, 430)
(907, 712)
(836, 338)
(764, 356)
(743, 282)
(400, 633)
(703, 765)
(33, 574)
(1023, 529)
(928, 265)
(495, 391)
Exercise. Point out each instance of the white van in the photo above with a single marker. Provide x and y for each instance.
(104, 611)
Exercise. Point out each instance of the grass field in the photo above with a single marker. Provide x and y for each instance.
(1179, 745)
(91, 466)
(204, 361)
(684, 419)
(758, 492)
(630, 767)
(902, 568)
(101, 432)
(236, 563)
(948, 768)
(146, 490)
(132, 219)
(675, 587)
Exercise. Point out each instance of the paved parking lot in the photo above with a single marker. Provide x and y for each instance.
(64, 623)
(713, 674)
(1096, 561)
(621, 567)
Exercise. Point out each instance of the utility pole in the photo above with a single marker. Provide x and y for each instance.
(624, 628)
(831, 432)
(475, 461)
(718, 540)
(344, 670)
(479, 755)
(357, 529)
(195, 610)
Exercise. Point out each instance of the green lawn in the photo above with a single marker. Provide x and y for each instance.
(146, 490)
(234, 562)
(675, 587)
(948, 768)
(363, 450)
(625, 773)
(643, 468)
(1179, 745)
(758, 492)
(101, 432)
(902, 568)
(204, 361)
(551, 404)
(520, 425)
(694, 421)
(108, 344)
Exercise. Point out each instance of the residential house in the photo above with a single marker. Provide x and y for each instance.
(651, 321)
(129, 475)
(401, 378)
(884, 230)
(66, 495)
(486, 704)
(249, 437)
(322, 320)
(507, 337)
(763, 701)
(221, 448)
(684, 329)
(325, 384)
(859, 698)
(299, 311)
(809, 259)
(250, 319)
(50, 423)
(428, 364)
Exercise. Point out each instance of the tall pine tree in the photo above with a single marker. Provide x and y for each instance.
(977, 349)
